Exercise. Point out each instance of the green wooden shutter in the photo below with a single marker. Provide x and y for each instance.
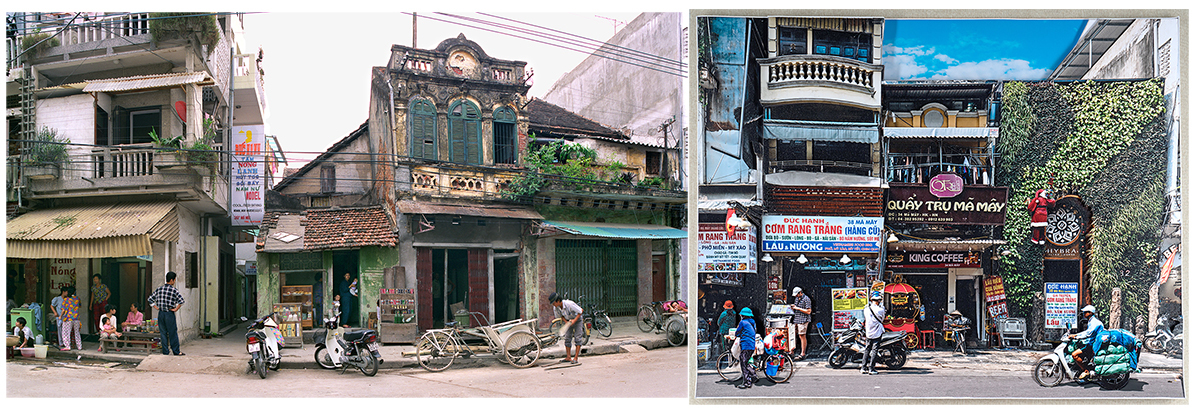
(423, 120)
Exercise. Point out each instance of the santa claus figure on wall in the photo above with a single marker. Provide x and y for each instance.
(1039, 206)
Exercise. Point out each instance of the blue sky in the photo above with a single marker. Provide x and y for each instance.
(976, 49)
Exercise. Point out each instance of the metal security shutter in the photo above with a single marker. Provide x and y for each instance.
(599, 271)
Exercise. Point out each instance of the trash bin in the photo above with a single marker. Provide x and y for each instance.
(463, 317)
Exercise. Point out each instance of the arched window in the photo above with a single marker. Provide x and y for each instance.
(465, 130)
(503, 131)
(422, 122)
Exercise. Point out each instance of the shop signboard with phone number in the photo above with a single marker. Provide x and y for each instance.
(821, 234)
(721, 252)
(1061, 304)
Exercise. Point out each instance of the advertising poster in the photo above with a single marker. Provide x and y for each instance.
(1061, 304)
(993, 289)
(62, 273)
(249, 154)
(821, 233)
(847, 306)
(721, 252)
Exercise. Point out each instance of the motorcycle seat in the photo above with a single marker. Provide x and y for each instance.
(356, 335)
(891, 334)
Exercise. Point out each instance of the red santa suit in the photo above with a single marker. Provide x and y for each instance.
(1039, 206)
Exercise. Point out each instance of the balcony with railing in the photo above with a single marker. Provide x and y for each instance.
(248, 87)
(432, 63)
(820, 79)
(124, 170)
(437, 180)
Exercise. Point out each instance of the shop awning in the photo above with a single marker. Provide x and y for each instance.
(613, 230)
(114, 230)
(810, 132)
(890, 132)
(806, 178)
(148, 82)
(946, 245)
(488, 211)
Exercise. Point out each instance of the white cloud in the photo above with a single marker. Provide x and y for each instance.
(899, 67)
(993, 69)
(945, 58)
(912, 50)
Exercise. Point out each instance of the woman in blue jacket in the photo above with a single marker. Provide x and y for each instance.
(747, 332)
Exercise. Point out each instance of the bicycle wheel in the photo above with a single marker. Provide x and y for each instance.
(645, 319)
(728, 367)
(436, 351)
(786, 368)
(522, 349)
(603, 325)
(676, 332)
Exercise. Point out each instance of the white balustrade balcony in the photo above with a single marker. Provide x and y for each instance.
(820, 79)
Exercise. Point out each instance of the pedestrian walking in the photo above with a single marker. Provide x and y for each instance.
(57, 307)
(727, 321)
(168, 300)
(874, 313)
(572, 315)
(100, 295)
(802, 308)
(747, 331)
(70, 321)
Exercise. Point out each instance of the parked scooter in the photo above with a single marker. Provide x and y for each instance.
(341, 347)
(1164, 339)
(851, 346)
(263, 342)
(1053, 368)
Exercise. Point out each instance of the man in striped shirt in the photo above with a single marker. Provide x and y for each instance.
(168, 300)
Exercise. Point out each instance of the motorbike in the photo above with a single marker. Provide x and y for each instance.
(1053, 368)
(1163, 339)
(263, 341)
(851, 346)
(340, 347)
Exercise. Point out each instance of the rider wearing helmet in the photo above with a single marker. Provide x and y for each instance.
(1084, 354)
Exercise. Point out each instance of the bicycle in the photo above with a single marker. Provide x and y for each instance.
(515, 342)
(728, 366)
(593, 319)
(650, 318)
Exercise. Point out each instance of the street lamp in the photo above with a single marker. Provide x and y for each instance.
(845, 259)
(802, 259)
(766, 258)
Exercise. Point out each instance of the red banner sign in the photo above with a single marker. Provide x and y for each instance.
(993, 289)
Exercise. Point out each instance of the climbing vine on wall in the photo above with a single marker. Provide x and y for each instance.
(1104, 142)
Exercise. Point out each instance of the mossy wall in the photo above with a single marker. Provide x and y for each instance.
(1106, 143)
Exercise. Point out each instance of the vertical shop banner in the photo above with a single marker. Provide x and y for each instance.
(847, 306)
(821, 233)
(249, 155)
(1061, 304)
(721, 252)
(993, 289)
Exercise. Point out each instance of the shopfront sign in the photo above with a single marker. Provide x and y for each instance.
(722, 279)
(62, 273)
(1069, 221)
(249, 156)
(946, 185)
(1061, 304)
(928, 260)
(720, 251)
(847, 306)
(975, 205)
(993, 289)
(821, 234)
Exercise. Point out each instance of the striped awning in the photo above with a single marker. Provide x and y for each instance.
(147, 82)
(614, 230)
(893, 132)
(812, 132)
(113, 230)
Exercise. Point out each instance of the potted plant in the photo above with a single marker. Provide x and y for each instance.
(47, 155)
(167, 151)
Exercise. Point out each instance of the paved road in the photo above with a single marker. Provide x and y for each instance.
(915, 382)
(645, 374)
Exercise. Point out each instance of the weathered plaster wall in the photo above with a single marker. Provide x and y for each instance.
(371, 262)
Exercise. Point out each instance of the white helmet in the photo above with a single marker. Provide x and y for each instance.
(1089, 308)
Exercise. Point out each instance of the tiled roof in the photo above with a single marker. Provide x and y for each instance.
(552, 119)
(347, 228)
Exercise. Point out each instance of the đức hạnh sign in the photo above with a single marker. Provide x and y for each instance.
(787, 233)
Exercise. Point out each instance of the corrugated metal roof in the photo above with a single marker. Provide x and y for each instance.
(488, 211)
(127, 246)
(891, 132)
(614, 230)
(92, 222)
(146, 82)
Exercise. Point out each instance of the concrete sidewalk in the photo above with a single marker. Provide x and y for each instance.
(227, 354)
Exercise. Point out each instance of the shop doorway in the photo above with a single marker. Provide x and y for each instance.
(507, 292)
(966, 295)
(449, 283)
(934, 295)
(346, 262)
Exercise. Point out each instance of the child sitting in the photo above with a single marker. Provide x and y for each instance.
(108, 325)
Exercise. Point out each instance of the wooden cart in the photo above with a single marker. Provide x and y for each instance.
(515, 342)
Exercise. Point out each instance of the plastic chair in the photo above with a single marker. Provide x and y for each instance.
(826, 338)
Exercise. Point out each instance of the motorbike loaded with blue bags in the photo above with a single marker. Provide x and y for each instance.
(1116, 354)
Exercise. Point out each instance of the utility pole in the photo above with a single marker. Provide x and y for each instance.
(665, 137)
(414, 30)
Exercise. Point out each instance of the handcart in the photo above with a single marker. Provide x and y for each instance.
(516, 342)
